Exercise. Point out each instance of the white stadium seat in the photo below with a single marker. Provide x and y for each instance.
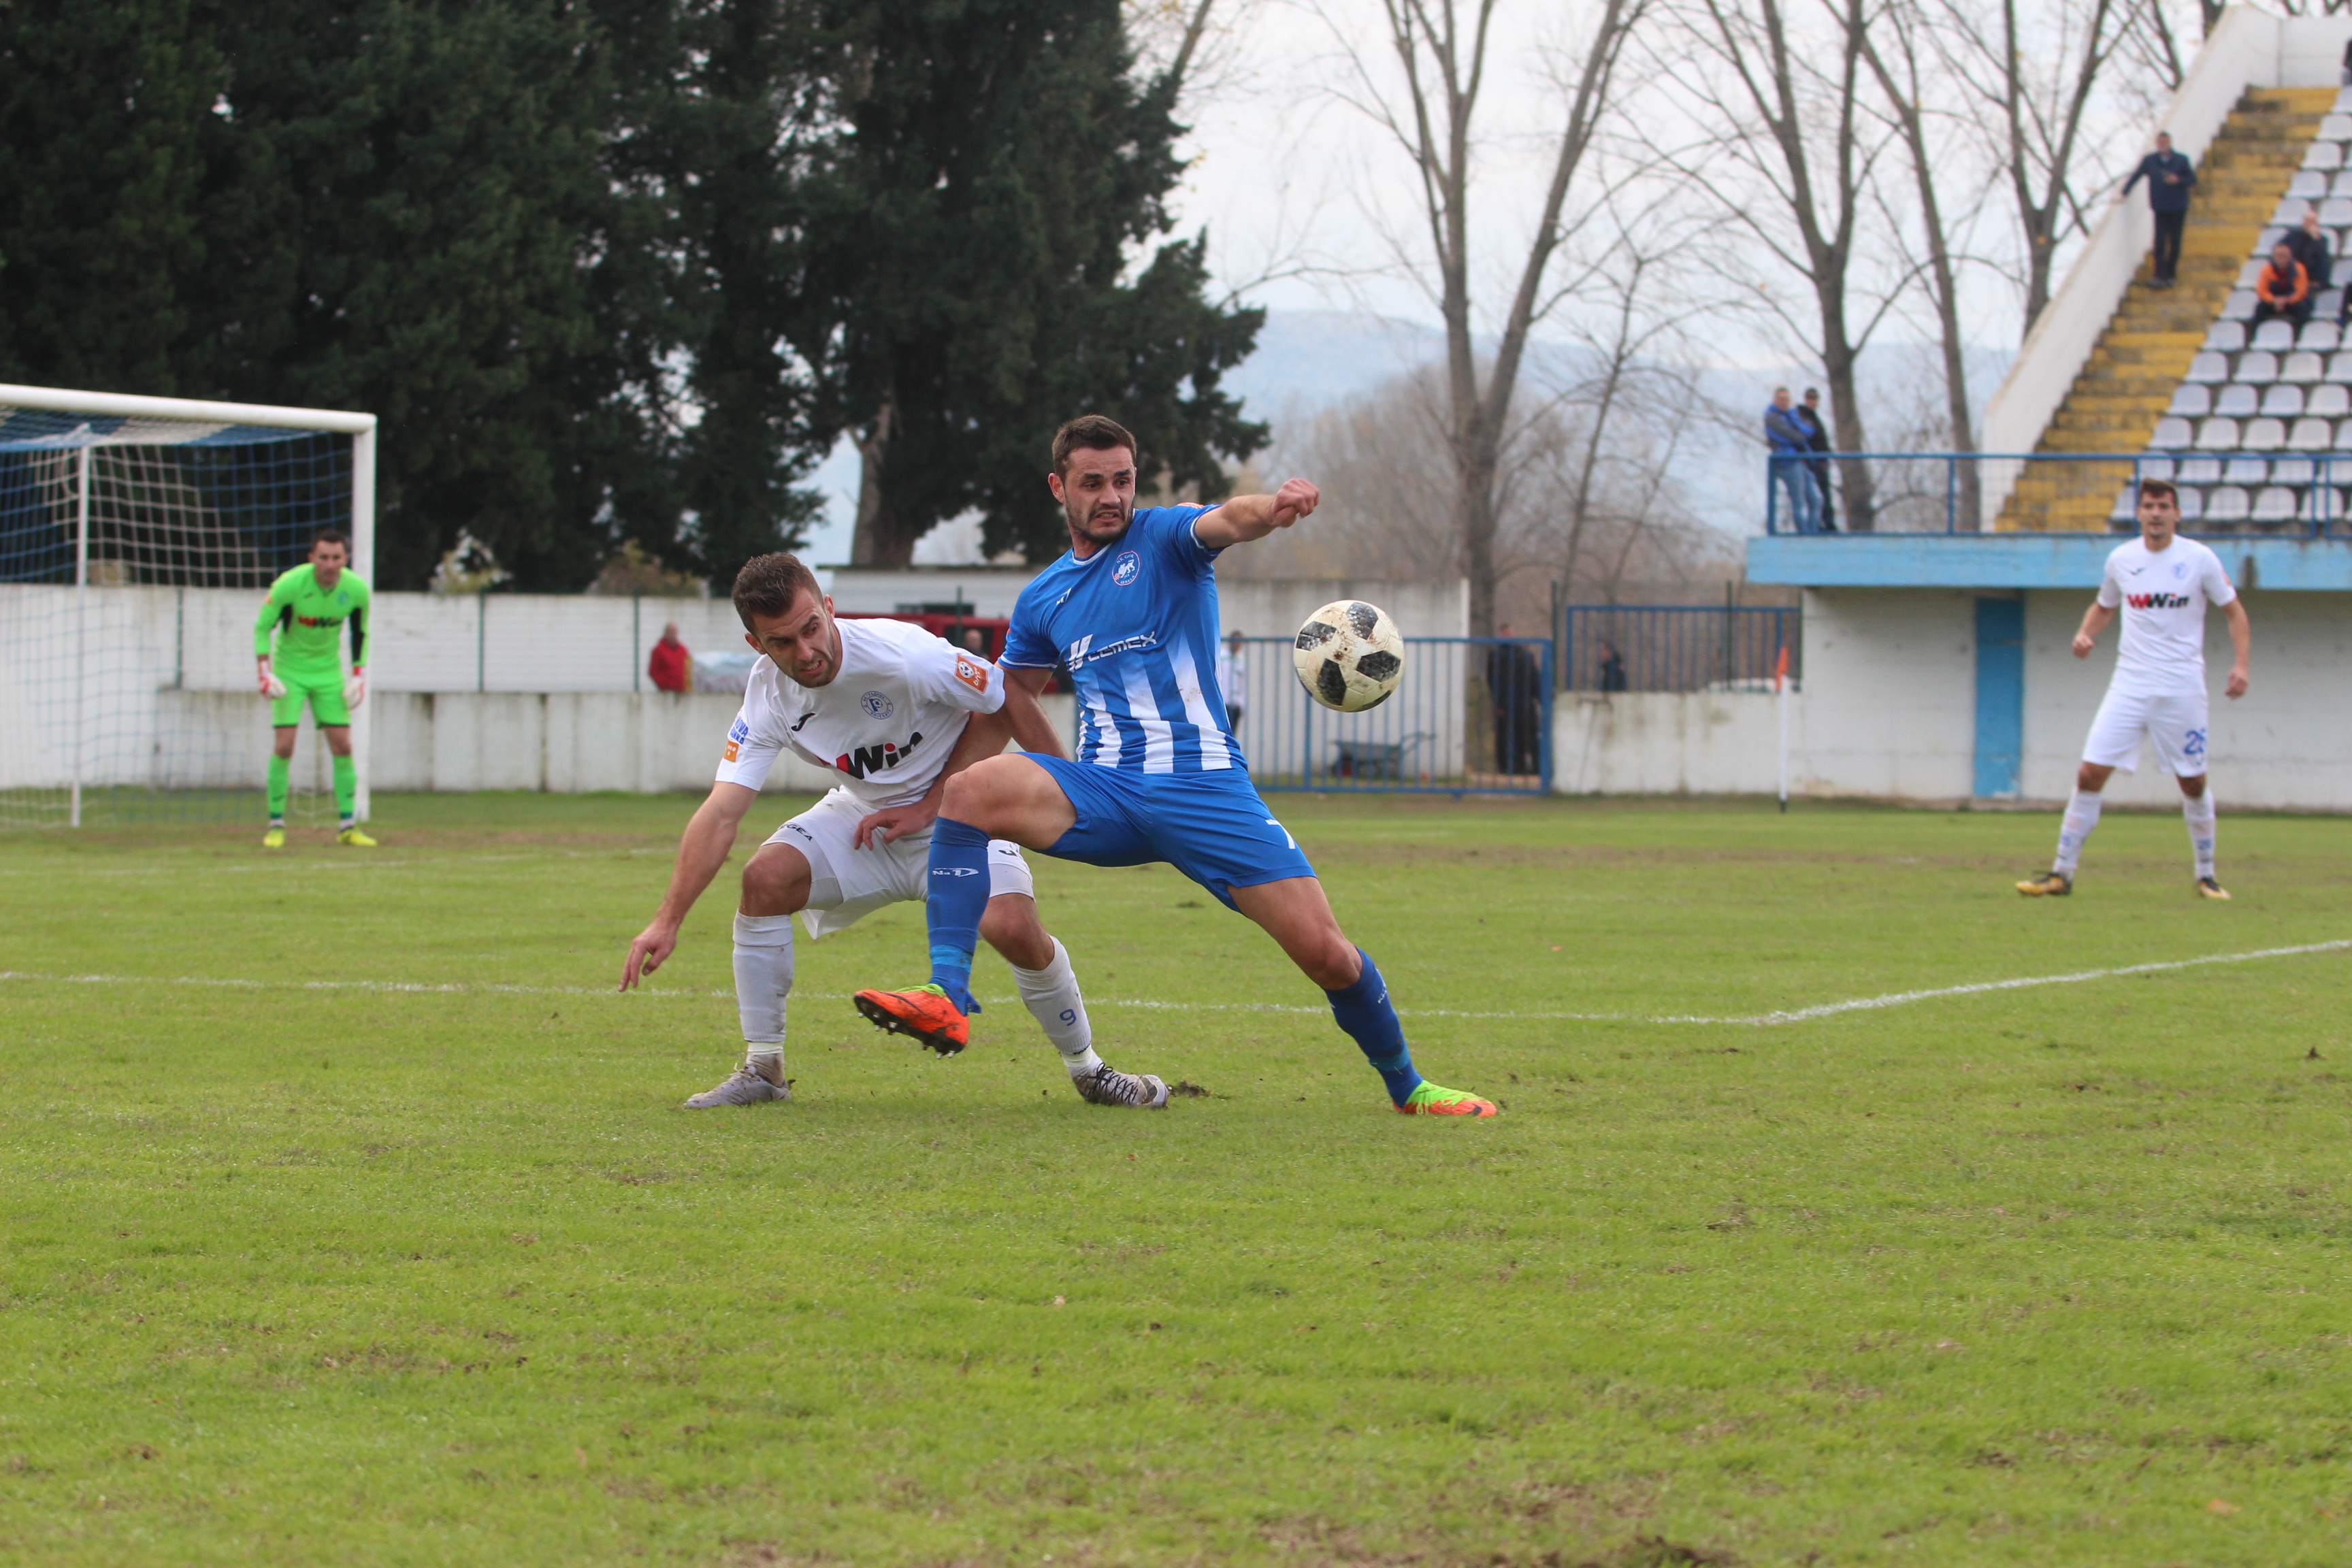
(2341, 185)
(2302, 368)
(2263, 435)
(2209, 369)
(2239, 306)
(2218, 436)
(2191, 401)
(2172, 435)
(2318, 336)
(2275, 505)
(2290, 211)
(2199, 471)
(2192, 505)
(2257, 367)
(2325, 306)
(2275, 336)
(2156, 468)
(2251, 272)
(2310, 436)
(2292, 470)
(2343, 102)
(2322, 504)
(2228, 503)
(2335, 212)
(2246, 471)
(2336, 127)
(2308, 186)
(2126, 507)
(2226, 337)
(2340, 367)
(2270, 235)
(2283, 401)
(2344, 439)
(2323, 155)
(2239, 401)
(2329, 401)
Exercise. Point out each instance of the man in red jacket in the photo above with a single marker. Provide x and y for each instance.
(671, 665)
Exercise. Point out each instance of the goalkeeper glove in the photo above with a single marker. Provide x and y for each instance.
(271, 687)
(355, 688)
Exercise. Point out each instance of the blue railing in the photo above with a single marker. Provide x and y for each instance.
(1675, 647)
(2271, 494)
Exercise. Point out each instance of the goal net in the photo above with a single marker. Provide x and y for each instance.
(138, 536)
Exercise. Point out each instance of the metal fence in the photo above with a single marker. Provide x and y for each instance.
(2257, 493)
(1470, 714)
(1676, 647)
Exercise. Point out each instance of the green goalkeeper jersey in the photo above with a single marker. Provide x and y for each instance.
(310, 622)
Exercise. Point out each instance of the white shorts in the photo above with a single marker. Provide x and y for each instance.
(2174, 720)
(846, 883)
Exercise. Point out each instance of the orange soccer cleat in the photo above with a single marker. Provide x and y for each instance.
(924, 1012)
(1431, 1100)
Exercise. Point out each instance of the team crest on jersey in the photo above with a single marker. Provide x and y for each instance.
(877, 706)
(2179, 570)
(1127, 568)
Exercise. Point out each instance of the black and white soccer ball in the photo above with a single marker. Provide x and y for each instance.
(1349, 656)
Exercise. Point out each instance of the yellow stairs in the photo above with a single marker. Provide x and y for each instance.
(2125, 386)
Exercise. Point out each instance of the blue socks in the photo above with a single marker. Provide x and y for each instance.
(958, 896)
(1362, 1009)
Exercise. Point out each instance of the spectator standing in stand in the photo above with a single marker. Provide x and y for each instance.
(2283, 291)
(1612, 668)
(671, 667)
(1233, 679)
(1517, 680)
(1789, 469)
(2310, 244)
(1817, 434)
(2170, 177)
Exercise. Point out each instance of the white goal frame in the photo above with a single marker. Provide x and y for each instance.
(360, 427)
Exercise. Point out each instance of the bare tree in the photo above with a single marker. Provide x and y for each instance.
(1781, 114)
(1441, 49)
(1900, 84)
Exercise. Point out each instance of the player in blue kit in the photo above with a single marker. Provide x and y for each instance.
(1131, 611)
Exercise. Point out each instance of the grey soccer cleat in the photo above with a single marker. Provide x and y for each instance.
(1108, 1086)
(745, 1085)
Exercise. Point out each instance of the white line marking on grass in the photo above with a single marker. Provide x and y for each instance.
(1751, 1020)
(1789, 1016)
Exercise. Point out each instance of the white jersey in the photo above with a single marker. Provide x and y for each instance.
(884, 724)
(2163, 594)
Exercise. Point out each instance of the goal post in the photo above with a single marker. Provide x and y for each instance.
(137, 538)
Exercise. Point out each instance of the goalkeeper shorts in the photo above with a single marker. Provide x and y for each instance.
(323, 692)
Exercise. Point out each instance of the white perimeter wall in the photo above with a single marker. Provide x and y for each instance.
(1889, 710)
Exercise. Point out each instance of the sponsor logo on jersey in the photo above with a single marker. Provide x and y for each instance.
(740, 730)
(972, 675)
(877, 706)
(1083, 650)
(318, 620)
(733, 751)
(877, 759)
(2157, 601)
(1127, 568)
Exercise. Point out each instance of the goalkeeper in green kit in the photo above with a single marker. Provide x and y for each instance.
(308, 608)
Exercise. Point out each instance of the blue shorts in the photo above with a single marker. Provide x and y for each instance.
(1210, 826)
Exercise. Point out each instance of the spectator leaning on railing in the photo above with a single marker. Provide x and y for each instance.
(671, 667)
(1817, 437)
(2169, 177)
(2283, 292)
(1788, 468)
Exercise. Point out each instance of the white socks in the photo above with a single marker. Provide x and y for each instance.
(2199, 815)
(2082, 815)
(1051, 994)
(763, 978)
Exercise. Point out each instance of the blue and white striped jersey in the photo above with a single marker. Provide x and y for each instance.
(1136, 622)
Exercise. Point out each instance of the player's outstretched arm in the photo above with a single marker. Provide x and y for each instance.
(701, 850)
(2241, 639)
(1240, 519)
(2094, 621)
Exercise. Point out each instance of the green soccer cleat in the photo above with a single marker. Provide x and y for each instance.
(355, 838)
(1431, 1100)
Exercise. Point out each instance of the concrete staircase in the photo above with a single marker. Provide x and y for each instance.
(2122, 391)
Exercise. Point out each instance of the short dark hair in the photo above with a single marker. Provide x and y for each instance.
(328, 533)
(769, 585)
(2159, 488)
(1092, 432)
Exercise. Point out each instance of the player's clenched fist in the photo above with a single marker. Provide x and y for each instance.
(1295, 500)
(654, 945)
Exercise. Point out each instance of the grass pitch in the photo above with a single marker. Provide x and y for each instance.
(361, 1275)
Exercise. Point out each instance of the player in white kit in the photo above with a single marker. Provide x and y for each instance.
(2162, 583)
(894, 711)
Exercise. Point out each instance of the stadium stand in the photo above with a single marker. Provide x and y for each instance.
(2181, 372)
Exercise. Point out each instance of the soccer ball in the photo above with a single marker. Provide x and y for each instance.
(1349, 656)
